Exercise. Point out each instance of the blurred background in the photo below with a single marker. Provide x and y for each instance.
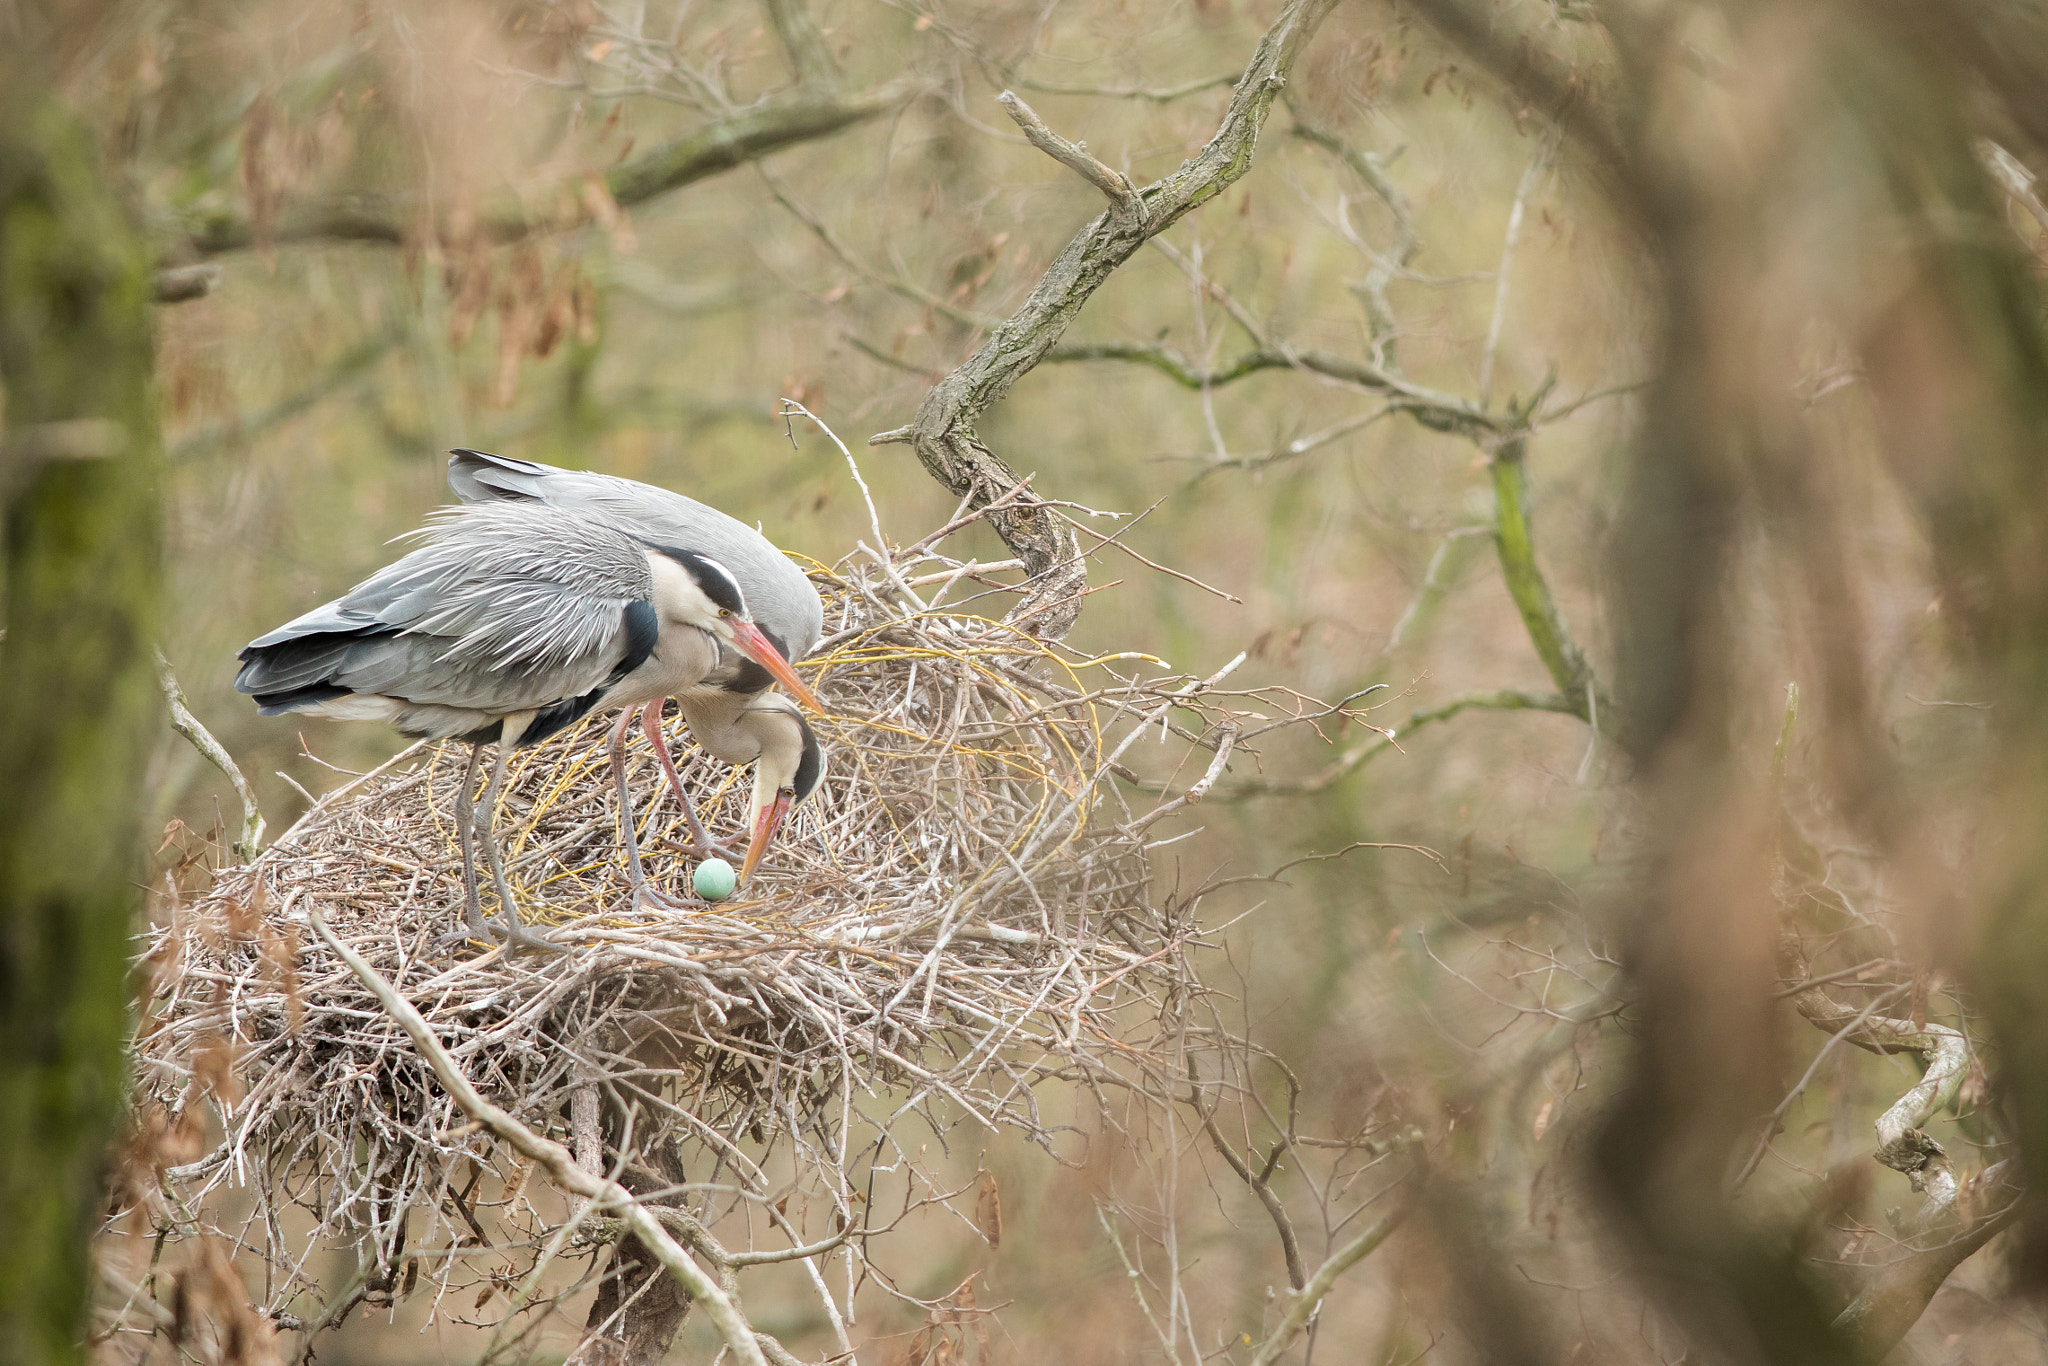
(1599, 378)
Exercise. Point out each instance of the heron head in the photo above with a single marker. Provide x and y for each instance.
(790, 768)
(716, 606)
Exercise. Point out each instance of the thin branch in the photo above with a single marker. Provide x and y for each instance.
(188, 725)
(1433, 408)
(896, 283)
(1515, 537)
(794, 116)
(1114, 184)
(1289, 450)
(1382, 741)
(552, 1157)
(1897, 1295)
(1302, 1305)
(1226, 741)
(1261, 1186)
(1502, 276)
(1372, 291)
(1157, 95)
(1773, 1121)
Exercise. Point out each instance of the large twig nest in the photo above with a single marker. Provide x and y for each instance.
(961, 910)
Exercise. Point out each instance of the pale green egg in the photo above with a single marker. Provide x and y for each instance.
(715, 879)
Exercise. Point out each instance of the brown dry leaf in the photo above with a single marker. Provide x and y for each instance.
(586, 310)
(259, 178)
(558, 315)
(518, 1188)
(213, 1068)
(469, 278)
(606, 213)
(280, 954)
(212, 1316)
(988, 1210)
(245, 915)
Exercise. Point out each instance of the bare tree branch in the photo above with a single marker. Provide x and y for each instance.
(1896, 1296)
(909, 289)
(943, 432)
(1302, 1305)
(1155, 94)
(1901, 1145)
(1372, 291)
(1367, 750)
(186, 724)
(810, 58)
(1114, 184)
(176, 284)
(797, 115)
(1515, 537)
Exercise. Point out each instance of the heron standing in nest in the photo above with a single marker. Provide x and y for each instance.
(731, 710)
(509, 624)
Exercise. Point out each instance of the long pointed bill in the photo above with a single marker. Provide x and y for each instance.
(747, 638)
(766, 826)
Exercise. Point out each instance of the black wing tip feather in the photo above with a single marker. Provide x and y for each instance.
(297, 699)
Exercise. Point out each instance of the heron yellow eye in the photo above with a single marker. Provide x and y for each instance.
(725, 611)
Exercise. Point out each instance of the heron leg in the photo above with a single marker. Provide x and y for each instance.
(465, 835)
(636, 873)
(512, 931)
(701, 844)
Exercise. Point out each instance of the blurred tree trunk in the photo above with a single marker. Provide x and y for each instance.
(78, 703)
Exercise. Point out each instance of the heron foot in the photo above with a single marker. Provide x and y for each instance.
(516, 937)
(645, 893)
(666, 901)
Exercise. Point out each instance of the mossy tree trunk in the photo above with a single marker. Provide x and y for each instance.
(78, 701)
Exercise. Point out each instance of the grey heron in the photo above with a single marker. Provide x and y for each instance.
(730, 710)
(508, 624)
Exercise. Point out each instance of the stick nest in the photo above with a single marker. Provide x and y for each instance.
(961, 911)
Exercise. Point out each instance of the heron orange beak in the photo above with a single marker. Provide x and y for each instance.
(766, 826)
(748, 640)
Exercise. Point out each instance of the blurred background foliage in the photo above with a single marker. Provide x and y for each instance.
(1749, 293)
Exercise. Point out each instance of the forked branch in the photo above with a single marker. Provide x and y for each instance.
(1114, 184)
(943, 432)
(1303, 1303)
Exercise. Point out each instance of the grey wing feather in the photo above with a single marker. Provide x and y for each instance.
(505, 607)
(778, 594)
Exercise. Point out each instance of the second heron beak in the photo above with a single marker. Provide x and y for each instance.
(748, 639)
(766, 826)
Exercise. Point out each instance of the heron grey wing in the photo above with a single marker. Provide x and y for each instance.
(520, 586)
(778, 594)
(505, 605)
